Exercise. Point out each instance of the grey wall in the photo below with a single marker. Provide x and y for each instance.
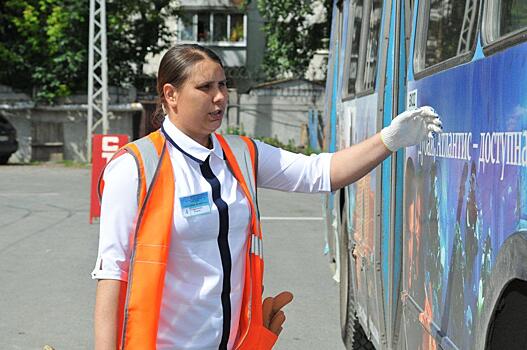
(73, 125)
(283, 117)
(71, 115)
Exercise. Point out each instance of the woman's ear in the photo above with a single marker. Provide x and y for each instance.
(171, 96)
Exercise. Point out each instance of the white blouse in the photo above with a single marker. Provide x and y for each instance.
(193, 314)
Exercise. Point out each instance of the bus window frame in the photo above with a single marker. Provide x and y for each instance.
(488, 27)
(365, 34)
(351, 22)
(423, 14)
(409, 6)
(363, 43)
(333, 45)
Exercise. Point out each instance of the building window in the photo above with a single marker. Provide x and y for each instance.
(204, 27)
(213, 27)
(186, 32)
(220, 27)
(236, 28)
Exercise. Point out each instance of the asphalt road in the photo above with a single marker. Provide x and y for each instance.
(48, 249)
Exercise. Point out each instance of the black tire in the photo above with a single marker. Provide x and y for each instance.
(353, 334)
(356, 337)
(4, 159)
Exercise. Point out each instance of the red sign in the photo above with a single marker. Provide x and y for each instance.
(103, 149)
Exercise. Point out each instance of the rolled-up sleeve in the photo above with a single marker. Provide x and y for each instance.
(118, 213)
(287, 171)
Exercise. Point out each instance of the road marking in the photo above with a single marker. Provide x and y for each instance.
(20, 194)
(291, 218)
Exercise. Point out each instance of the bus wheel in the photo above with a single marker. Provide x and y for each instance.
(356, 337)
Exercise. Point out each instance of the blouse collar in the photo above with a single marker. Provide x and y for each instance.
(189, 146)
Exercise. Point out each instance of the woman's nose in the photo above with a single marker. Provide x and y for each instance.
(220, 95)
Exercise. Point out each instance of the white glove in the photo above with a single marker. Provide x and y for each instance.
(411, 127)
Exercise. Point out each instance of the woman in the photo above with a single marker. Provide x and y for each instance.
(179, 264)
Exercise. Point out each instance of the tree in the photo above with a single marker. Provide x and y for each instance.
(295, 29)
(136, 28)
(44, 46)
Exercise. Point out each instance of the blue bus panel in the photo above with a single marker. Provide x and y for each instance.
(465, 195)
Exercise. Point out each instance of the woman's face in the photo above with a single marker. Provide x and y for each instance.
(197, 108)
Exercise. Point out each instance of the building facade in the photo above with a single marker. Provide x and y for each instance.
(230, 28)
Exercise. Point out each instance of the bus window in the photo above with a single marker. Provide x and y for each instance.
(355, 17)
(451, 30)
(505, 17)
(513, 16)
(372, 45)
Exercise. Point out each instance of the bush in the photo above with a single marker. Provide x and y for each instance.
(273, 141)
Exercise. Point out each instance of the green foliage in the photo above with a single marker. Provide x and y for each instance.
(136, 28)
(236, 130)
(44, 47)
(292, 34)
(76, 165)
(290, 146)
(273, 141)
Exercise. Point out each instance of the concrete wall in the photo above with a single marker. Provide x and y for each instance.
(276, 113)
(74, 126)
(25, 115)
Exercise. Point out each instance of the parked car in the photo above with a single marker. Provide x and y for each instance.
(8, 142)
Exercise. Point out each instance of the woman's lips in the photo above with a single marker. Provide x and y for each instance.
(217, 114)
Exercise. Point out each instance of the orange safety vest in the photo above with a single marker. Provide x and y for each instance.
(139, 305)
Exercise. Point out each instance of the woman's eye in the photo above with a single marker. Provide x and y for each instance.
(204, 87)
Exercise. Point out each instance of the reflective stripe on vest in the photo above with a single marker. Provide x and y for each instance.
(150, 158)
(256, 246)
(146, 159)
(242, 153)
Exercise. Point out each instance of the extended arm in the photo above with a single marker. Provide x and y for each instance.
(407, 129)
(352, 163)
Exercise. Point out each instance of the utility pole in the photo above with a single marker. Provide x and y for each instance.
(469, 21)
(97, 73)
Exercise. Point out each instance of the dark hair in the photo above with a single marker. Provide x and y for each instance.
(175, 69)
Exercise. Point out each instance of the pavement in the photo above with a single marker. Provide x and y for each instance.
(48, 249)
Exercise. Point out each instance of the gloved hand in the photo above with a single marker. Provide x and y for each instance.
(411, 127)
(273, 316)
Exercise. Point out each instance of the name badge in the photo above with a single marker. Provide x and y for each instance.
(197, 204)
